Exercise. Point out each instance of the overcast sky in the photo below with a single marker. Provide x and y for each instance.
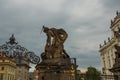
(87, 23)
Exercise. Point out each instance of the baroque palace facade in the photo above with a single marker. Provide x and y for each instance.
(108, 50)
(13, 68)
(7, 67)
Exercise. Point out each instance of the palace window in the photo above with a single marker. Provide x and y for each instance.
(3, 60)
(2, 68)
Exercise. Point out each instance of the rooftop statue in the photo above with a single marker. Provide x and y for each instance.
(54, 47)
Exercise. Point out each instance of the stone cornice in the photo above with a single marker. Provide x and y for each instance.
(113, 40)
(113, 25)
(5, 63)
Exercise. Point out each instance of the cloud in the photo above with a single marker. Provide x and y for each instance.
(86, 22)
(111, 4)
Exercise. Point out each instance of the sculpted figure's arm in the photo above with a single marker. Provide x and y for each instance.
(62, 35)
(49, 35)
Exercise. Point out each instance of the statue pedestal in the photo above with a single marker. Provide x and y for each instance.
(57, 69)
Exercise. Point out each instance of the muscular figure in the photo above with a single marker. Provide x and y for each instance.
(55, 36)
(54, 44)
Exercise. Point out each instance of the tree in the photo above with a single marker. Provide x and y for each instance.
(78, 75)
(92, 74)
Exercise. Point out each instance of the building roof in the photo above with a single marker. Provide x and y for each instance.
(116, 19)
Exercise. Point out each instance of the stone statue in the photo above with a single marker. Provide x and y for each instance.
(54, 47)
(12, 40)
(117, 33)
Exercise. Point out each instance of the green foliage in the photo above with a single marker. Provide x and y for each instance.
(78, 75)
(79, 78)
(92, 74)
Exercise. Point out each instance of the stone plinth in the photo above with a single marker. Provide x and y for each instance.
(56, 69)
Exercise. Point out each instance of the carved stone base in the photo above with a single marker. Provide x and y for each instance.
(56, 61)
(56, 69)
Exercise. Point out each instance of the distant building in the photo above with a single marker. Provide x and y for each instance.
(7, 67)
(83, 76)
(108, 50)
(16, 64)
(22, 69)
(36, 75)
(31, 76)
